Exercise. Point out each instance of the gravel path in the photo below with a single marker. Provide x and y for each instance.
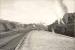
(42, 40)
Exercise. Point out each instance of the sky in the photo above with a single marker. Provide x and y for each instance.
(33, 11)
